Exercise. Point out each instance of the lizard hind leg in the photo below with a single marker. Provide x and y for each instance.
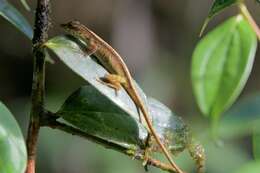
(113, 81)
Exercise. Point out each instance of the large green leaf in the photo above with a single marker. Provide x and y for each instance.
(10, 13)
(221, 64)
(251, 167)
(92, 112)
(217, 7)
(13, 154)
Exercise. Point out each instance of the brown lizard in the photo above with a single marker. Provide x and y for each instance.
(119, 73)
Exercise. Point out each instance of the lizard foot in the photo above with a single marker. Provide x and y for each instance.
(112, 81)
(146, 159)
(147, 151)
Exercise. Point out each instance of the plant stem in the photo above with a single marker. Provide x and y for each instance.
(74, 131)
(38, 83)
(244, 11)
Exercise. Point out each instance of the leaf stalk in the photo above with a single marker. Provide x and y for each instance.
(244, 11)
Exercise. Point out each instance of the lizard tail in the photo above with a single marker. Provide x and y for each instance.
(140, 104)
(156, 137)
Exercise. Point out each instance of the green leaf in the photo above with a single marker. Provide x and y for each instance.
(217, 7)
(92, 112)
(95, 114)
(256, 144)
(221, 64)
(10, 13)
(25, 4)
(13, 154)
(251, 167)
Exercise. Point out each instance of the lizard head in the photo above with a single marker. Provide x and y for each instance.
(75, 28)
(71, 26)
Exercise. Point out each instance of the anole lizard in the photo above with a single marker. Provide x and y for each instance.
(119, 73)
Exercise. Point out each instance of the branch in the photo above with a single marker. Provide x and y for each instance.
(38, 84)
(52, 123)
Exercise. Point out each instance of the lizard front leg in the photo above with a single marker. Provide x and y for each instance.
(91, 48)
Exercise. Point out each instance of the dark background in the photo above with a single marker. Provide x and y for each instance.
(156, 39)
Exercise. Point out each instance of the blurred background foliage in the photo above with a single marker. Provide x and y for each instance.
(156, 39)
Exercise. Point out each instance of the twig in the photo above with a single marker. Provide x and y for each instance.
(74, 131)
(38, 84)
(249, 18)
